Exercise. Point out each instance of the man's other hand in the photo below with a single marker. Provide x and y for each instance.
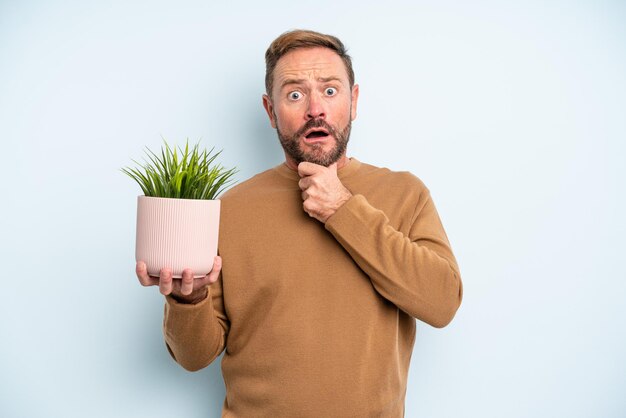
(184, 290)
(322, 191)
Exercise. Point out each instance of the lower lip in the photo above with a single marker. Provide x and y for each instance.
(316, 140)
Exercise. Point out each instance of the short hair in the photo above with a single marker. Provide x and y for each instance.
(300, 38)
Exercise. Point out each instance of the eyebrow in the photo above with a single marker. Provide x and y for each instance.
(302, 80)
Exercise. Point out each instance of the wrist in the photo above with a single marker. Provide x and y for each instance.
(345, 196)
(193, 298)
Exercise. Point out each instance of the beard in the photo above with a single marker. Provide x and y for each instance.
(316, 154)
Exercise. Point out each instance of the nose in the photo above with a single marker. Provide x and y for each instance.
(316, 108)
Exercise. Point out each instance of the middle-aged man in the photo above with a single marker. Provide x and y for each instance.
(327, 261)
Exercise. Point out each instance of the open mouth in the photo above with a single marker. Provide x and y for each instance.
(316, 133)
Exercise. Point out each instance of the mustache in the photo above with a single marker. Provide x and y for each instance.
(316, 123)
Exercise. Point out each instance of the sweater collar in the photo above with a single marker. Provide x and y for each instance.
(344, 172)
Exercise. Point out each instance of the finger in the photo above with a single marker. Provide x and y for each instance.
(142, 274)
(305, 196)
(215, 271)
(310, 207)
(213, 275)
(186, 285)
(304, 183)
(165, 281)
(306, 168)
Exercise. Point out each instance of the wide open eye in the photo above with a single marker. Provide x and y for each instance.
(330, 91)
(295, 95)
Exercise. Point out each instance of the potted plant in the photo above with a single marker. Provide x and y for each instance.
(178, 215)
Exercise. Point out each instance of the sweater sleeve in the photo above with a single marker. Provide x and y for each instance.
(418, 273)
(196, 334)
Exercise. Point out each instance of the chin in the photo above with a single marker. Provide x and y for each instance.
(324, 159)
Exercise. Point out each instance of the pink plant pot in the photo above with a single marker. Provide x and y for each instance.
(177, 233)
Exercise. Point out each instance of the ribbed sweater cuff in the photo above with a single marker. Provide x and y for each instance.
(182, 307)
(349, 214)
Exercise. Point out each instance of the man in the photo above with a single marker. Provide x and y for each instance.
(327, 262)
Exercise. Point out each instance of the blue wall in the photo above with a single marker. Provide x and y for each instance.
(512, 113)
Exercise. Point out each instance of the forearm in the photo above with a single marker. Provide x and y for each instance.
(418, 273)
(194, 334)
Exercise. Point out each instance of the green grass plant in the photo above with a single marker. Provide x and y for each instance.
(188, 174)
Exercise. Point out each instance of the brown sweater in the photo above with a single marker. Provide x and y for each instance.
(318, 320)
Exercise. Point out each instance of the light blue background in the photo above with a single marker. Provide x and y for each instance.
(512, 113)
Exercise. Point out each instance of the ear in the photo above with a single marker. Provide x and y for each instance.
(269, 108)
(355, 99)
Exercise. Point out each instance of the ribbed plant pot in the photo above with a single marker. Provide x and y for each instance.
(177, 233)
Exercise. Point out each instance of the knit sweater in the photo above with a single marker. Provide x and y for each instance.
(318, 320)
